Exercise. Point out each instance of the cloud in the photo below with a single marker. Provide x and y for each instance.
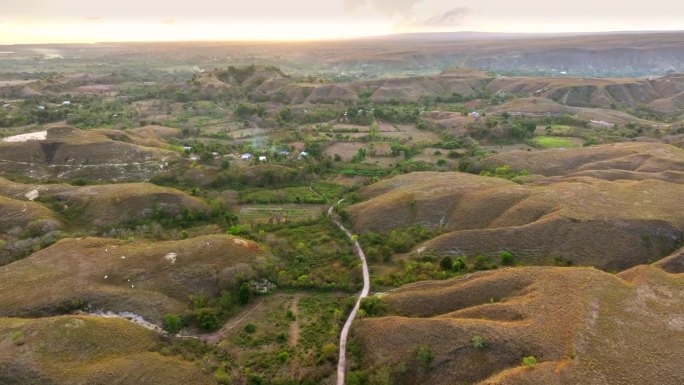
(442, 21)
(390, 7)
(169, 21)
(449, 18)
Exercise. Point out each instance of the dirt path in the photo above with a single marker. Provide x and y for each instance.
(342, 363)
(216, 336)
(294, 326)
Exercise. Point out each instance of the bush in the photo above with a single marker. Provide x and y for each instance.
(373, 306)
(458, 264)
(221, 376)
(17, 337)
(245, 294)
(529, 361)
(482, 262)
(507, 258)
(329, 351)
(173, 323)
(424, 355)
(283, 356)
(478, 342)
(207, 319)
(250, 328)
(446, 263)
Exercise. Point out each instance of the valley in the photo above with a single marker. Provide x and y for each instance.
(400, 210)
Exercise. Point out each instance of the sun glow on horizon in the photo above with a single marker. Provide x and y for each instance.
(171, 30)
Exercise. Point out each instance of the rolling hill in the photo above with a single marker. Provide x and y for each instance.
(145, 278)
(637, 217)
(70, 153)
(87, 350)
(583, 326)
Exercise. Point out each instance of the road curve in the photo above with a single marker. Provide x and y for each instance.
(342, 363)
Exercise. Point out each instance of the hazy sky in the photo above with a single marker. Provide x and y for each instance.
(49, 21)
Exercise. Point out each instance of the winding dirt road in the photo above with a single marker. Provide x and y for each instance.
(342, 363)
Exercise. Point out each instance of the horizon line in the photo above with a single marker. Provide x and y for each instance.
(354, 38)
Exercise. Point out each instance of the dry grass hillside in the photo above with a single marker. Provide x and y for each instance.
(147, 136)
(664, 93)
(95, 206)
(635, 160)
(70, 153)
(543, 107)
(87, 350)
(582, 325)
(18, 214)
(145, 278)
(104, 205)
(268, 84)
(589, 221)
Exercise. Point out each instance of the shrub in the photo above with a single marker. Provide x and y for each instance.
(373, 306)
(446, 263)
(282, 337)
(17, 337)
(207, 319)
(529, 361)
(458, 264)
(507, 258)
(482, 262)
(329, 351)
(245, 294)
(221, 376)
(172, 323)
(250, 328)
(424, 355)
(283, 356)
(478, 342)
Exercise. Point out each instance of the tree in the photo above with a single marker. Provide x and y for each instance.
(245, 294)
(459, 264)
(207, 319)
(446, 263)
(172, 323)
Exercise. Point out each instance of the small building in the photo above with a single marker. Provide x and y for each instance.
(303, 155)
(246, 156)
(42, 108)
(66, 103)
(263, 286)
(187, 148)
(475, 115)
(263, 159)
(215, 154)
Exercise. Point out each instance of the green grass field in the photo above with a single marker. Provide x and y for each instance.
(552, 142)
(291, 212)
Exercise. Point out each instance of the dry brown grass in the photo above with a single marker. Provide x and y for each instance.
(139, 278)
(634, 160)
(71, 153)
(87, 350)
(583, 326)
(598, 92)
(97, 205)
(607, 224)
(15, 213)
